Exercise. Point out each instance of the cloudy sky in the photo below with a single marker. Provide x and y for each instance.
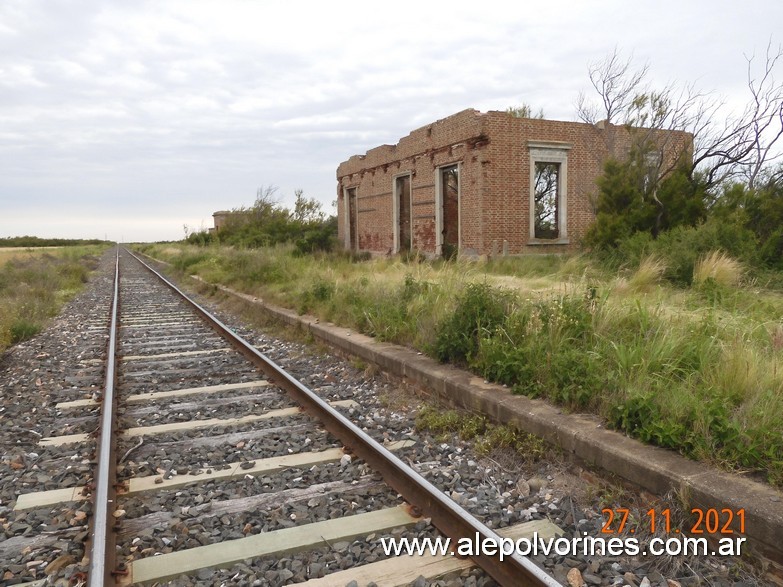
(128, 120)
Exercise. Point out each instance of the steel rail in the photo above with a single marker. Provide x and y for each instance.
(102, 550)
(451, 519)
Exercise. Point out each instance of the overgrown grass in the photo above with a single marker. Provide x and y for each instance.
(389, 299)
(11, 253)
(34, 286)
(719, 268)
(696, 369)
(648, 275)
(479, 429)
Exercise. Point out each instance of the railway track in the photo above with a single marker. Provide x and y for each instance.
(209, 456)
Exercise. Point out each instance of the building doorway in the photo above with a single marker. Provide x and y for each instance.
(449, 201)
(351, 213)
(402, 197)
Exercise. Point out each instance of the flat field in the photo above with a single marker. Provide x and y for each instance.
(8, 253)
(35, 283)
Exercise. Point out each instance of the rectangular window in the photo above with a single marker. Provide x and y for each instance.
(546, 200)
(548, 192)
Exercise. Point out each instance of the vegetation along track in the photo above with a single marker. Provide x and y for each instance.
(217, 466)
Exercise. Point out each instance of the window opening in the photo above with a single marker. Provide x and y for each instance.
(449, 185)
(402, 186)
(548, 192)
(351, 200)
(547, 201)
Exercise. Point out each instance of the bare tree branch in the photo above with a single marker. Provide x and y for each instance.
(616, 84)
(742, 146)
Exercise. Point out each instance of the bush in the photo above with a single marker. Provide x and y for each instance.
(318, 236)
(23, 329)
(626, 204)
(680, 248)
(771, 252)
(266, 224)
(201, 238)
(515, 365)
(480, 309)
(543, 350)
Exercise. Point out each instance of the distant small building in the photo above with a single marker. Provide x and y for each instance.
(220, 218)
(480, 184)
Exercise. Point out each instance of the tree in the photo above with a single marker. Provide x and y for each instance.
(748, 144)
(545, 200)
(743, 147)
(525, 111)
(266, 201)
(307, 210)
(758, 209)
(267, 223)
(617, 86)
(624, 205)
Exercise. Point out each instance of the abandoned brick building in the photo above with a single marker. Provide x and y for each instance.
(480, 184)
(220, 218)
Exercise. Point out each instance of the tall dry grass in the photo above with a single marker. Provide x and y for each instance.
(648, 275)
(719, 268)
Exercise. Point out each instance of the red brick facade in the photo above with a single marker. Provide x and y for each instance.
(490, 213)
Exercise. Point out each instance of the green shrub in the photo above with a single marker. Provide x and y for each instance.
(395, 315)
(681, 247)
(23, 329)
(575, 377)
(317, 237)
(627, 203)
(515, 365)
(543, 349)
(566, 317)
(322, 290)
(480, 309)
(201, 238)
(631, 250)
(190, 259)
(771, 252)
(634, 414)
(412, 287)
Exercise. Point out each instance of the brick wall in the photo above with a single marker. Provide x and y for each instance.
(507, 197)
(453, 140)
(221, 218)
(493, 154)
